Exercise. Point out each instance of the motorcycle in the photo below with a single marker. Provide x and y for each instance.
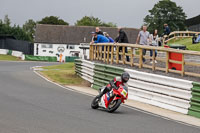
(111, 100)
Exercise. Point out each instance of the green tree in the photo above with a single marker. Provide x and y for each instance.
(92, 21)
(109, 24)
(29, 27)
(16, 30)
(165, 11)
(88, 21)
(54, 20)
(7, 20)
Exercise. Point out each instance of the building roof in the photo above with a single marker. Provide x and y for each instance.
(61, 34)
(193, 21)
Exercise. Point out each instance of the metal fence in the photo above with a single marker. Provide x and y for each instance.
(18, 45)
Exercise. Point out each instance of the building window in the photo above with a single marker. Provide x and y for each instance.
(47, 46)
(71, 47)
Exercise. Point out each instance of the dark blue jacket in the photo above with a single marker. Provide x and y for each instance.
(110, 39)
(167, 30)
(101, 39)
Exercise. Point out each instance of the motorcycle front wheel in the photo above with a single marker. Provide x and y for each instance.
(114, 105)
(94, 103)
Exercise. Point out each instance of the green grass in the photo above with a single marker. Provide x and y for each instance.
(64, 74)
(8, 58)
(187, 42)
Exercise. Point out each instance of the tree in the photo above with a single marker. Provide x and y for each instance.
(109, 24)
(88, 21)
(165, 11)
(16, 30)
(54, 20)
(29, 27)
(7, 20)
(92, 21)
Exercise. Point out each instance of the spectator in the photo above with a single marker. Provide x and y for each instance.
(194, 38)
(155, 39)
(100, 38)
(143, 38)
(110, 38)
(98, 31)
(122, 38)
(166, 29)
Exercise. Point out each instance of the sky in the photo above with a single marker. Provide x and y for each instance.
(125, 13)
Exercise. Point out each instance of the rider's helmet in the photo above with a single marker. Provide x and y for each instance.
(125, 77)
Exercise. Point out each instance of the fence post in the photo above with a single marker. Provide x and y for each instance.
(183, 64)
(132, 63)
(123, 56)
(117, 55)
(98, 52)
(167, 62)
(153, 60)
(112, 54)
(95, 54)
(108, 53)
(101, 52)
(104, 54)
(141, 58)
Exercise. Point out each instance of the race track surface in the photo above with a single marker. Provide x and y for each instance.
(30, 104)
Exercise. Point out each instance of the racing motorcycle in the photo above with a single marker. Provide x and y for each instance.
(111, 101)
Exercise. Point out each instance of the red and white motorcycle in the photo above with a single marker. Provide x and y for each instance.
(111, 100)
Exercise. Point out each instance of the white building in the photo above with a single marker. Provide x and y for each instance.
(54, 40)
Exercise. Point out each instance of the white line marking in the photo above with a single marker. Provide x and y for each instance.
(127, 106)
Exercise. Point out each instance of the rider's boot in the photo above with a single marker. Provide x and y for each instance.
(103, 92)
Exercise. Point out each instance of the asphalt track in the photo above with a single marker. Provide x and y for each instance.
(30, 104)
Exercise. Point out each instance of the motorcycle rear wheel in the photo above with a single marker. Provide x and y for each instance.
(115, 105)
(94, 103)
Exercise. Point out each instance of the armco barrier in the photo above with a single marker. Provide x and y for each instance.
(78, 67)
(13, 53)
(87, 70)
(40, 58)
(70, 58)
(194, 110)
(159, 79)
(3, 51)
(170, 93)
(84, 69)
(105, 73)
(17, 54)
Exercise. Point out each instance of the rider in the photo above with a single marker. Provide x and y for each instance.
(116, 83)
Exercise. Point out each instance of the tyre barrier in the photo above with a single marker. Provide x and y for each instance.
(174, 94)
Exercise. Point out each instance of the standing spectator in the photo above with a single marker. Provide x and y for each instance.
(166, 29)
(194, 38)
(155, 39)
(122, 38)
(110, 38)
(143, 38)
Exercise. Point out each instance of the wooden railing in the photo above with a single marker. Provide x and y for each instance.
(178, 34)
(110, 54)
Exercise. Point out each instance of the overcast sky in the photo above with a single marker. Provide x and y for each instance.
(125, 13)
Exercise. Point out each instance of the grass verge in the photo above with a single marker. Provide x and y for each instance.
(8, 58)
(187, 42)
(63, 74)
